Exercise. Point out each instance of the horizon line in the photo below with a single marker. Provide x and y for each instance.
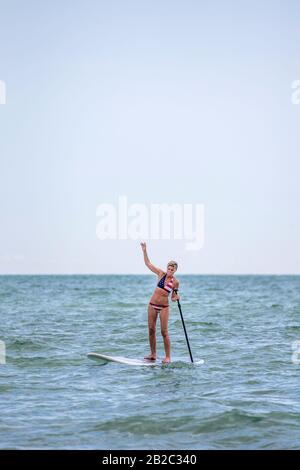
(148, 274)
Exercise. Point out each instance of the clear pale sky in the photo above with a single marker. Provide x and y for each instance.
(162, 101)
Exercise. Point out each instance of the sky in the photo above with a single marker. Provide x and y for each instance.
(161, 102)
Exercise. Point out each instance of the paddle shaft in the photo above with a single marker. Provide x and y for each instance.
(186, 336)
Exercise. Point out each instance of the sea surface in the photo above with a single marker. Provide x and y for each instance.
(246, 395)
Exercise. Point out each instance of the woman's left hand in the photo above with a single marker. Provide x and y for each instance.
(175, 297)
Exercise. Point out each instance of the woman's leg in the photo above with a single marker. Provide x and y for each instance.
(152, 317)
(164, 318)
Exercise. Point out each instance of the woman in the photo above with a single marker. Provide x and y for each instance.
(159, 305)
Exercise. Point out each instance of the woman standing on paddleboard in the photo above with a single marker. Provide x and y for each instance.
(159, 304)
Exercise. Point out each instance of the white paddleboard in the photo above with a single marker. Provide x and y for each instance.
(104, 359)
(120, 359)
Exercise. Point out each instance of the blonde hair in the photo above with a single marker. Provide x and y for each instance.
(173, 263)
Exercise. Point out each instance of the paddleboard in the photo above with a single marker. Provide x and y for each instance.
(104, 359)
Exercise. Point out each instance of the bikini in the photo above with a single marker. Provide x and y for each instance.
(168, 288)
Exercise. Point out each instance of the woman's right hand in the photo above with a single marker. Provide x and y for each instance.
(143, 245)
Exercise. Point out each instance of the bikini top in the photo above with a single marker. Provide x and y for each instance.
(169, 286)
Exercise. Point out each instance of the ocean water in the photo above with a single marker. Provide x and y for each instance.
(245, 396)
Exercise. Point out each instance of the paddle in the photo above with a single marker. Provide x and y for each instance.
(186, 336)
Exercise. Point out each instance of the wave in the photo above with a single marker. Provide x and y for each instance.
(232, 419)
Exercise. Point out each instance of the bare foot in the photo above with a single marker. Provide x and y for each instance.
(151, 357)
(166, 360)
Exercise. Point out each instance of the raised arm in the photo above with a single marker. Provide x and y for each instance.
(147, 261)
